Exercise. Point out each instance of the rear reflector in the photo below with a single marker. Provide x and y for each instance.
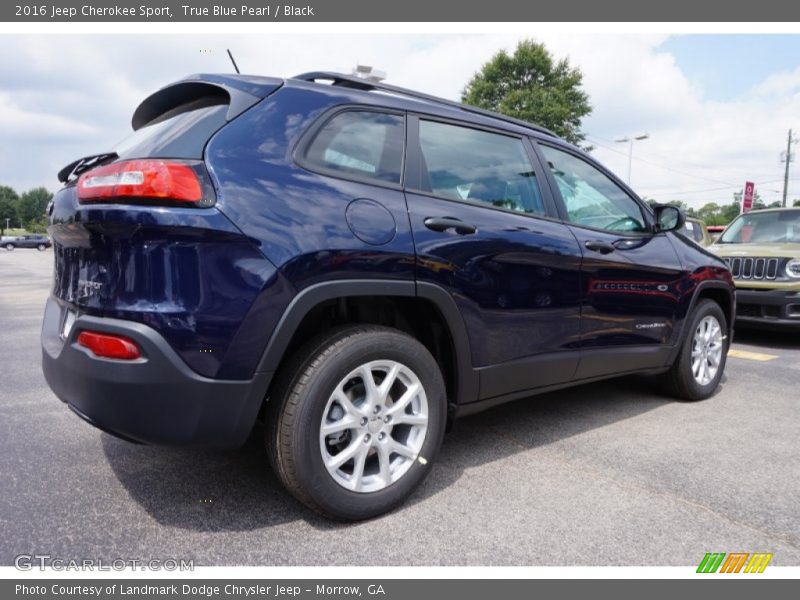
(109, 346)
(143, 179)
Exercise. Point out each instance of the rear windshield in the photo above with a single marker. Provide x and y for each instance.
(182, 133)
(694, 230)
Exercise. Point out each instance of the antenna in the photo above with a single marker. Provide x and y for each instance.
(233, 61)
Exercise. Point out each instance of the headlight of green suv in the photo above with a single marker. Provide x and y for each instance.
(793, 268)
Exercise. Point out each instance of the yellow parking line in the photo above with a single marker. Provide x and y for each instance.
(751, 355)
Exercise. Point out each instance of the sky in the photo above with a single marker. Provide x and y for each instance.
(717, 108)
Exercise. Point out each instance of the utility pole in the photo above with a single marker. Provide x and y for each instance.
(787, 159)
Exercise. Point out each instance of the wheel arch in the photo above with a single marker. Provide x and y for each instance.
(412, 304)
(718, 291)
(723, 296)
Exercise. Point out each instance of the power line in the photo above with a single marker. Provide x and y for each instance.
(726, 185)
(657, 156)
(716, 189)
(660, 166)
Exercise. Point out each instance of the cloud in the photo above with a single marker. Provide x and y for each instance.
(64, 96)
(22, 126)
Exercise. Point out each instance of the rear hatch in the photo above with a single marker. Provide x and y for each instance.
(135, 232)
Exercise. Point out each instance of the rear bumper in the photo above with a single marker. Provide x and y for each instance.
(155, 399)
(777, 309)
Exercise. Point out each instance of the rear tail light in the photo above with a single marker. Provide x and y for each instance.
(152, 181)
(108, 345)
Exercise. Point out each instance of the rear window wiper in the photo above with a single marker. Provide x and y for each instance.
(77, 167)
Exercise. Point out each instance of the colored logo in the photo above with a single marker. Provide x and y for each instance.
(734, 562)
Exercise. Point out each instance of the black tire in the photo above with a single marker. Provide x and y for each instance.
(41, 247)
(679, 380)
(10, 247)
(296, 407)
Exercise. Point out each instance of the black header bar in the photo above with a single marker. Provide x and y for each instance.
(401, 11)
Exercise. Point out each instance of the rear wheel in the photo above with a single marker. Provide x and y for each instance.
(356, 419)
(9, 247)
(696, 373)
(41, 247)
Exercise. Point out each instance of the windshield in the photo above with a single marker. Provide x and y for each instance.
(763, 228)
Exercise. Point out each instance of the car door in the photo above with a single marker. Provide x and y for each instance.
(485, 230)
(631, 275)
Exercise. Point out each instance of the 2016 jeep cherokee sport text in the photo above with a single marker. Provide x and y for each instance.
(355, 264)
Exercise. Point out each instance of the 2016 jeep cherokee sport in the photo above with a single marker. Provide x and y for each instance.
(355, 264)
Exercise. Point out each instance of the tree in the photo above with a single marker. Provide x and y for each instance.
(8, 207)
(709, 213)
(531, 85)
(31, 208)
(730, 211)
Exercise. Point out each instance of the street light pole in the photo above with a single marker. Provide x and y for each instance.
(630, 140)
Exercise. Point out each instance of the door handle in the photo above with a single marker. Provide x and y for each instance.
(598, 246)
(445, 223)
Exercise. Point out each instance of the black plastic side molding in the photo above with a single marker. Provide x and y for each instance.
(467, 378)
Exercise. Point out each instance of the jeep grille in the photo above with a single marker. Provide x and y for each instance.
(755, 268)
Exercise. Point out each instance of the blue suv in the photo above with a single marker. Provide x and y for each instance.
(354, 265)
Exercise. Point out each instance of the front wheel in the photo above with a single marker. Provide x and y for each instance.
(41, 247)
(698, 369)
(356, 420)
(9, 247)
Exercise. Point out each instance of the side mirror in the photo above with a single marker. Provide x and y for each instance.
(669, 218)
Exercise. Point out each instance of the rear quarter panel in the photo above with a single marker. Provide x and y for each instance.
(297, 217)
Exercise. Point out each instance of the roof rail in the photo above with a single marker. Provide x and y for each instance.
(351, 81)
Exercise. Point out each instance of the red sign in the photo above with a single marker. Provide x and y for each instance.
(747, 197)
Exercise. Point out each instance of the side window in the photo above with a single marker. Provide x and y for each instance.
(366, 144)
(468, 164)
(592, 199)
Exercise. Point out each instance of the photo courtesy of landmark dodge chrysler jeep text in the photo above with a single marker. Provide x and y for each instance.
(355, 264)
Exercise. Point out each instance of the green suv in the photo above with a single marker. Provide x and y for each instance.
(762, 249)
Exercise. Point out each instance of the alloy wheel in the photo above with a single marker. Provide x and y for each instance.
(706, 350)
(373, 426)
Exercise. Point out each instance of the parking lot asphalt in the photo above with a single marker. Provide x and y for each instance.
(604, 474)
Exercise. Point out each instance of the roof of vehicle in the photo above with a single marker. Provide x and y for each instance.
(770, 210)
(370, 87)
(256, 85)
(356, 90)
